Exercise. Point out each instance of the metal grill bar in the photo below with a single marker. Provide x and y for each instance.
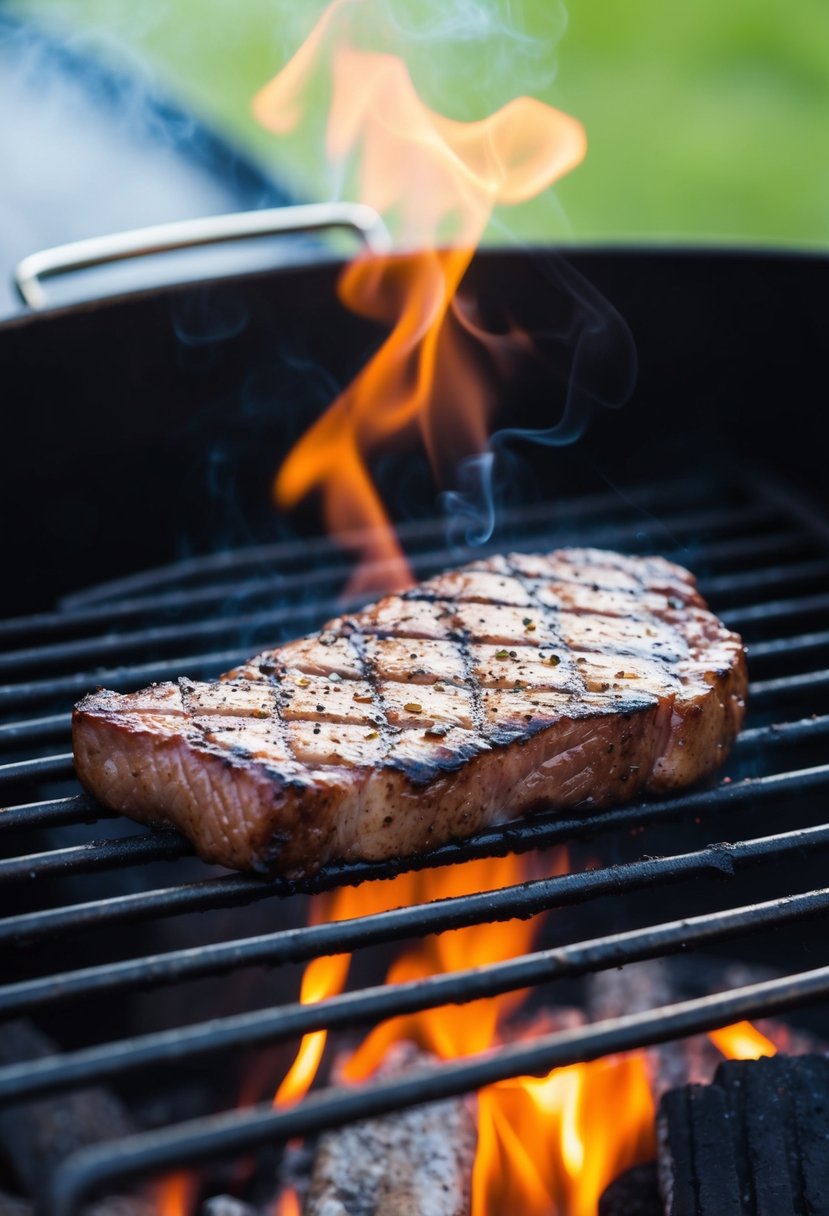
(772, 689)
(51, 767)
(295, 946)
(298, 617)
(766, 578)
(799, 645)
(80, 808)
(784, 732)
(228, 891)
(315, 551)
(186, 1044)
(35, 730)
(120, 678)
(767, 547)
(96, 855)
(771, 610)
(224, 892)
(235, 1134)
(100, 649)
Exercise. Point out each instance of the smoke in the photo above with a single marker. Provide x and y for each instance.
(470, 509)
(594, 339)
(481, 53)
(590, 351)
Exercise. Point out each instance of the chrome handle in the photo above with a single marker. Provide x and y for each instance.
(189, 234)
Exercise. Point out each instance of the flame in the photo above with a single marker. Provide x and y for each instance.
(175, 1195)
(545, 1146)
(553, 1145)
(323, 977)
(287, 1204)
(436, 181)
(742, 1041)
(454, 1030)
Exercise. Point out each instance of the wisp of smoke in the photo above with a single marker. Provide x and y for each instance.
(591, 340)
(470, 509)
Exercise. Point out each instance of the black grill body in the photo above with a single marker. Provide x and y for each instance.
(145, 964)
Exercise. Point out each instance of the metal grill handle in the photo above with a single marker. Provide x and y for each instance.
(195, 233)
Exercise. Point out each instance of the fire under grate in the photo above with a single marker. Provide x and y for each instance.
(762, 557)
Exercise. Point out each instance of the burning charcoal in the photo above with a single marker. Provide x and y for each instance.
(641, 987)
(754, 1142)
(652, 984)
(36, 1137)
(634, 1193)
(693, 1131)
(417, 1162)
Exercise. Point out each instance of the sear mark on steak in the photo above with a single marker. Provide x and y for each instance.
(576, 678)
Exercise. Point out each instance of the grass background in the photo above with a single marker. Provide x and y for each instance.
(706, 121)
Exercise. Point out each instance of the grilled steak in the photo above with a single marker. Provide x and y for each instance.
(577, 678)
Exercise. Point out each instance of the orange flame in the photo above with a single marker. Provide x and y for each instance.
(287, 1204)
(175, 1195)
(436, 181)
(454, 1030)
(545, 1146)
(323, 977)
(553, 1145)
(742, 1041)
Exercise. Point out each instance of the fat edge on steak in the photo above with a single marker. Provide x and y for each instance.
(577, 678)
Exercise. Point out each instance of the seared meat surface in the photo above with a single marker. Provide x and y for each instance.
(517, 683)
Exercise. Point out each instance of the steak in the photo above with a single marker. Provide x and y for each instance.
(578, 678)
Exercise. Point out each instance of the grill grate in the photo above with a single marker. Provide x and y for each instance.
(763, 558)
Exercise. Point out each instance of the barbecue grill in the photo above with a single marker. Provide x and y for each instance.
(727, 354)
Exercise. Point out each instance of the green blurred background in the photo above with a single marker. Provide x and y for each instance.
(706, 121)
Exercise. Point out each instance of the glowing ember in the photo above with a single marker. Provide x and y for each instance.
(436, 181)
(742, 1042)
